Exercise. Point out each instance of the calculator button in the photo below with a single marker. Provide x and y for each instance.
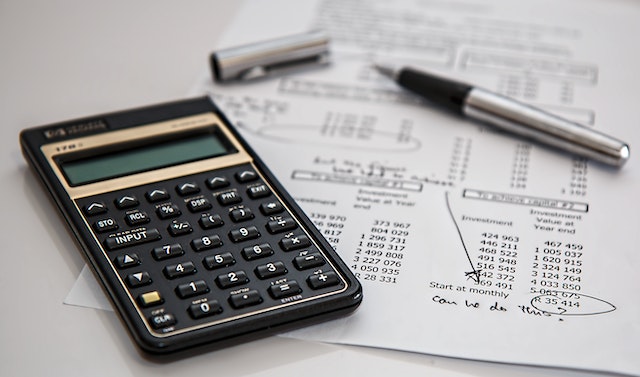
(199, 204)
(204, 309)
(177, 270)
(259, 191)
(323, 280)
(271, 208)
(137, 218)
(179, 228)
(105, 225)
(221, 260)
(281, 225)
(208, 221)
(229, 197)
(244, 233)
(285, 289)
(232, 279)
(167, 251)
(131, 238)
(246, 176)
(241, 214)
(193, 288)
(257, 251)
(270, 270)
(167, 211)
(294, 242)
(206, 242)
(243, 299)
(127, 260)
(138, 279)
(157, 195)
(127, 201)
(95, 208)
(163, 320)
(188, 188)
(304, 262)
(150, 298)
(217, 182)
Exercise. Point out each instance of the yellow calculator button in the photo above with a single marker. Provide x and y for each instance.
(150, 298)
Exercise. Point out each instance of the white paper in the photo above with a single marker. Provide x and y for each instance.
(468, 242)
(86, 292)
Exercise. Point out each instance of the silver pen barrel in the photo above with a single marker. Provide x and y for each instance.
(529, 122)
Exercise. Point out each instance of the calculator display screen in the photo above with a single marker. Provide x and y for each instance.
(143, 158)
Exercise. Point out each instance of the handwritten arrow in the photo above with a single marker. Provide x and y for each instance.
(473, 274)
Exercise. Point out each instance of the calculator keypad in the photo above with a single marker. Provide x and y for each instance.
(208, 247)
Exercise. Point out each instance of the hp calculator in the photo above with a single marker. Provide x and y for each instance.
(190, 234)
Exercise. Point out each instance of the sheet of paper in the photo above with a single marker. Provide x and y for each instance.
(86, 292)
(469, 243)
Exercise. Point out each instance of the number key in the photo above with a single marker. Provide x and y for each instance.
(204, 309)
(206, 242)
(270, 270)
(232, 279)
(192, 288)
(257, 251)
(181, 269)
(221, 260)
(244, 233)
(167, 251)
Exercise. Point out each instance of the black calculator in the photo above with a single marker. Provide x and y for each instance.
(190, 234)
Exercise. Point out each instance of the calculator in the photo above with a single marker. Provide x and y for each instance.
(191, 236)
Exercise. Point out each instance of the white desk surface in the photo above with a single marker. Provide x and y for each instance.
(65, 59)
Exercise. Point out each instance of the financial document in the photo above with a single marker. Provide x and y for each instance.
(469, 242)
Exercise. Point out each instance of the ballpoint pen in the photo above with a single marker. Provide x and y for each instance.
(510, 115)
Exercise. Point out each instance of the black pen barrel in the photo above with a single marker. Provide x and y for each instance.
(444, 92)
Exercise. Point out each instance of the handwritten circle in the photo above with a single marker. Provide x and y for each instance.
(571, 304)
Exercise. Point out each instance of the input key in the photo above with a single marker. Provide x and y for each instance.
(131, 238)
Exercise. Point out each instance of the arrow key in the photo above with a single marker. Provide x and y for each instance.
(138, 279)
(126, 201)
(187, 188)
(157, 195)
(270, 208)
(95, 208)
(127, 260)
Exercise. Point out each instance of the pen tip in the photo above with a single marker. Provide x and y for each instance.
(385, 70)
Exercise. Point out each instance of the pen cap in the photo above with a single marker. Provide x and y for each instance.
(270, 57)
